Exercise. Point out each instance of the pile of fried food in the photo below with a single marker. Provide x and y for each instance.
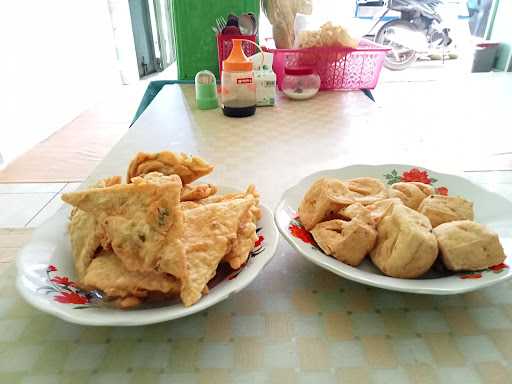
(403, 228)
(159, 236)
(329, 35)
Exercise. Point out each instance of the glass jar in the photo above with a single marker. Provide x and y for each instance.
(300, 83)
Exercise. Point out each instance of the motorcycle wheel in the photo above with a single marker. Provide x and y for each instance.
(398, 58)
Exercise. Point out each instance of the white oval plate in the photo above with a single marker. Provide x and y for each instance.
(45, 273)
(490, 209)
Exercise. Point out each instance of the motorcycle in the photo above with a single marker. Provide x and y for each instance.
(418, 30)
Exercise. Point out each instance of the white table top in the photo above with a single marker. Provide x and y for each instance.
(296, 323)
(280, 145)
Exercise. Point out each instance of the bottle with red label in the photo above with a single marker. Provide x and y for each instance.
(238, 88)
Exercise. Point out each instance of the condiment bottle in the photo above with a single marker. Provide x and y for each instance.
(238, 89)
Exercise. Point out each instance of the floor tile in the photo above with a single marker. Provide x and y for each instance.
(31, 187)
(53, 206)
(17, 209)
(71, 187)
(47, 212)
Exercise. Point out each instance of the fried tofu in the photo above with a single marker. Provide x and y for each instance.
(367, 190)
(406, 247)
(324, 198)
(347, 241)
(371, 214)
(442, 209)
(468, 246)
(411, 193)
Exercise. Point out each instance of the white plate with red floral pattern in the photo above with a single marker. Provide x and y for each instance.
(45, 275)
(491, 209)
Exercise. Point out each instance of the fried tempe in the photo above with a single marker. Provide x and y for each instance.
(188, 168)
(138, 218)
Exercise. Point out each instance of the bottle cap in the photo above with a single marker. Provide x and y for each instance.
(237, 61)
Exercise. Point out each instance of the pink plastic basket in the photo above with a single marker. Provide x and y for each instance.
(340, 68)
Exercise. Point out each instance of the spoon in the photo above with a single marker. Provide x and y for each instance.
(247, 23)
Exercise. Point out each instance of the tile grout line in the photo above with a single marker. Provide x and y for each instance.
(26, 193)
(44, 206)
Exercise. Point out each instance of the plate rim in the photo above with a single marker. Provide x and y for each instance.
(279, 210)
(56, 310)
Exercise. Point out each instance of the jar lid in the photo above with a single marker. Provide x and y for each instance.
(300, 71)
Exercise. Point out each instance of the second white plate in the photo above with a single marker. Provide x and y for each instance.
(490, 209)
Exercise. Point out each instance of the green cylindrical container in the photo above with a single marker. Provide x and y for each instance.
(206, 90)
(196, 43)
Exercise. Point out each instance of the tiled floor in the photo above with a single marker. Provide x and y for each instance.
(30, 204)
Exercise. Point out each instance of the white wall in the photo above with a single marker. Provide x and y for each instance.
(57, 58)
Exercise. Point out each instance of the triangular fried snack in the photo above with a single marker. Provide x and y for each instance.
(108, 274)
(250, 191)
(246, 236)
(209, 232)
(192, 192)
(85, 233)
(243, 244)
(188, 168)
(137, 218)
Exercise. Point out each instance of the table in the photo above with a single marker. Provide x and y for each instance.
(296, 323)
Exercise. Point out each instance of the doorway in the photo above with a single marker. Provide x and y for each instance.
(152, 35)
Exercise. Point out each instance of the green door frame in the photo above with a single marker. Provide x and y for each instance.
(504, 56)
(490, 22)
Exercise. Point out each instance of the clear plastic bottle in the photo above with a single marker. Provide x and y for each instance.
(238, 88)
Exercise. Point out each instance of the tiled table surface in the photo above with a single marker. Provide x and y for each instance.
(296, 322)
